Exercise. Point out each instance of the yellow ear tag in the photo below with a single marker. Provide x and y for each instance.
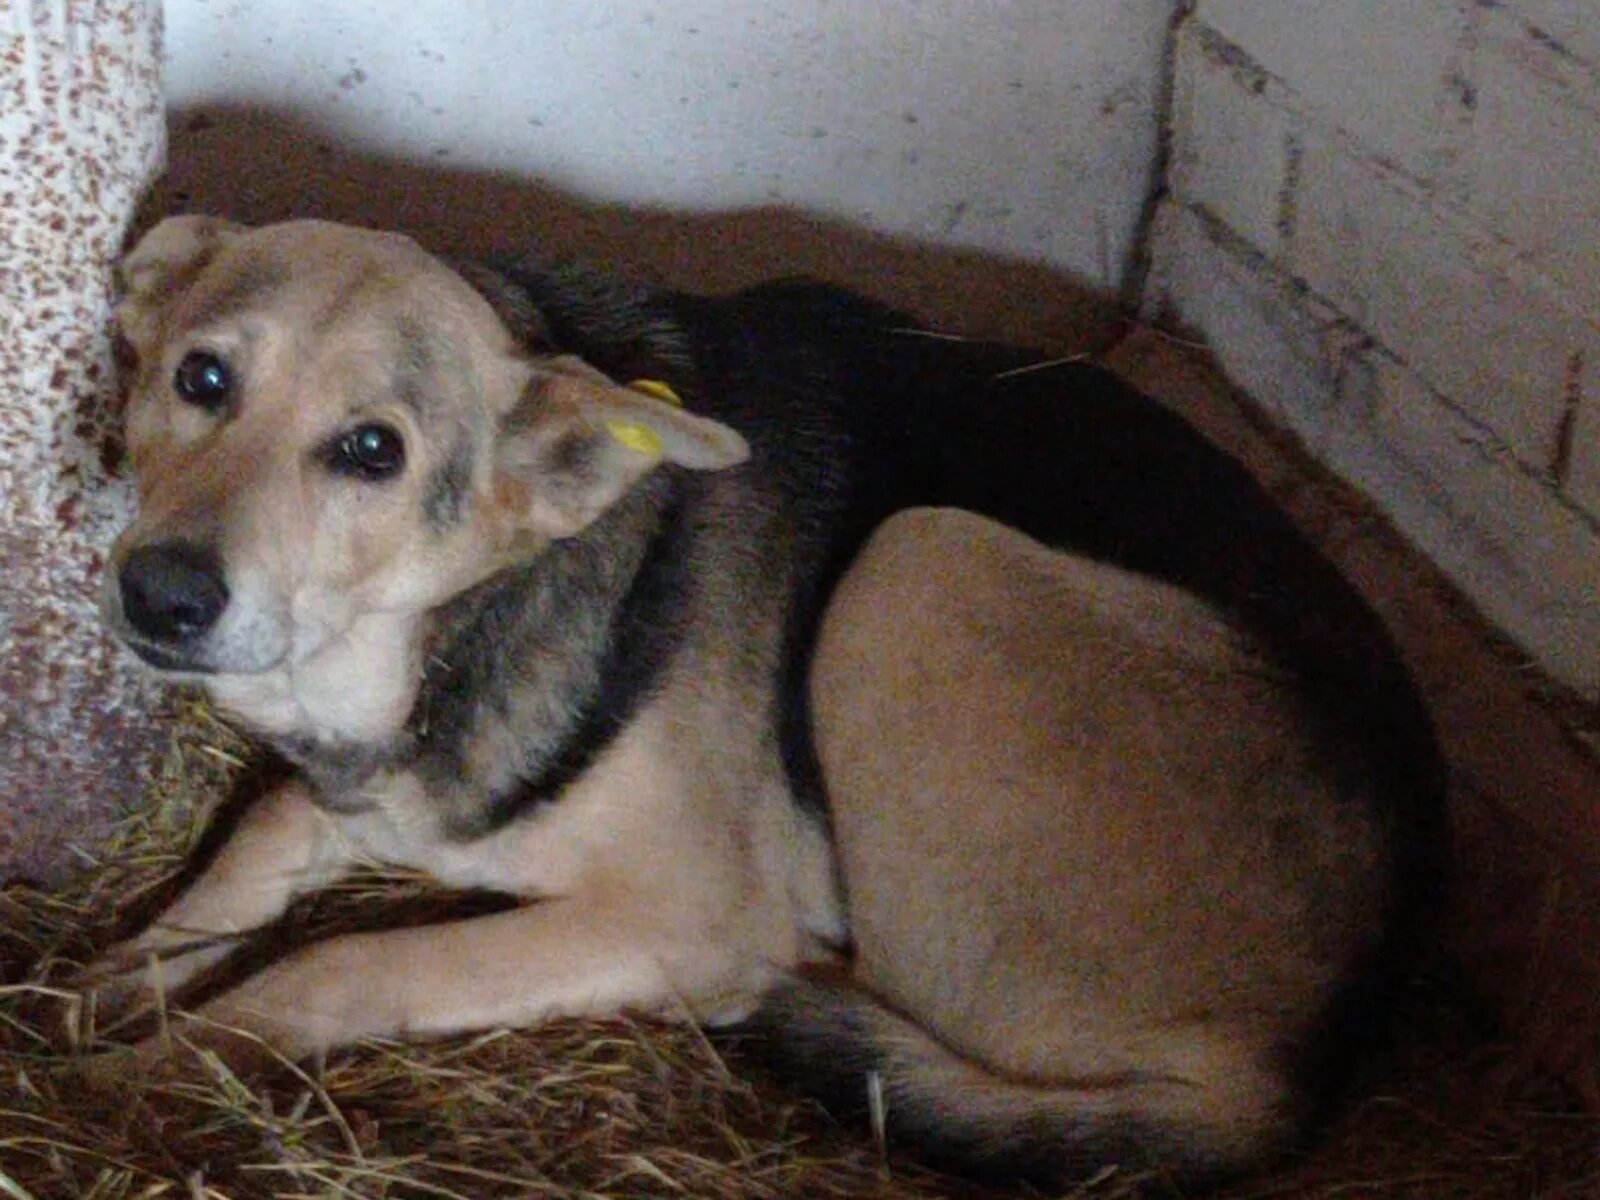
(639, 438)
(658, 389)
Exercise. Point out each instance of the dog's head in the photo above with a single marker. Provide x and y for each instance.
(327, 423)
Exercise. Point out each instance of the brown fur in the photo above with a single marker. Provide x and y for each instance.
(1099, 881)
(1082, 836)
(345, 581)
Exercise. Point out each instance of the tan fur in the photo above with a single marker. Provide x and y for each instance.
(310, 310)
(643, 898)
(1093, 867)
(653, 891)
(284, 847)
(1076, 819)
(640, 902)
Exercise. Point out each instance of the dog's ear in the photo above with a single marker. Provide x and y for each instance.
(576, 442)
(161, 267)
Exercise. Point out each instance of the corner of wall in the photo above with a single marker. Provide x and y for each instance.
(1383, 225)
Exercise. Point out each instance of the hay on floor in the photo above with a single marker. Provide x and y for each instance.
(593, 1109)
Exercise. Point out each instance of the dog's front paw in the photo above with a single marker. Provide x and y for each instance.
(292, 1010)
(115, 1067)
(186, 1045)
(295, 1009)
(135, 978)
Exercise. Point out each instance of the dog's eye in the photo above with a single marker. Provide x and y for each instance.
(204, 380)
(370, 452)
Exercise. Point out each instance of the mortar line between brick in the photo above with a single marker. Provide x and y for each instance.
(1141, 253)
(1231, 243)
(1566, 429)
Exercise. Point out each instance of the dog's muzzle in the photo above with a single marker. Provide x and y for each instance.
(172, 594)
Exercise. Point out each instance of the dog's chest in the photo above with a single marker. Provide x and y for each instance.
(404, 819)
(400, 824)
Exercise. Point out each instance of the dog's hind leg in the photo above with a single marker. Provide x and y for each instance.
(1106, 879)
(284, 846)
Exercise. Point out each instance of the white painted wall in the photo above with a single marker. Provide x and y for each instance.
(1382, 216)
(1384, 219)
(1020, 127)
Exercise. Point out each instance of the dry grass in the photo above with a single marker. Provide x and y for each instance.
(589, 1109)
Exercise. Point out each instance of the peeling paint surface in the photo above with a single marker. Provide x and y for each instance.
(80, 139)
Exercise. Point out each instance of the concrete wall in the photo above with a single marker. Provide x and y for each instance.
(1022, 130)
(1384, 218)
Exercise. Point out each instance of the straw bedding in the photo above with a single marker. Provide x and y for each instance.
(620, 1108)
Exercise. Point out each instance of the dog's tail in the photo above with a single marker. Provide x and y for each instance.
(862, 1060)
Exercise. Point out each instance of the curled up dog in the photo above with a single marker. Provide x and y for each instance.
(952, 720)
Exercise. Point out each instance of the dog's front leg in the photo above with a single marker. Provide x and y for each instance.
(284, 846)
(564, 957)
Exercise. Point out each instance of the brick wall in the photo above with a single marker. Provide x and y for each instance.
(1385, 219)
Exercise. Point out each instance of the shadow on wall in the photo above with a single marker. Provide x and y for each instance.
(256, 165)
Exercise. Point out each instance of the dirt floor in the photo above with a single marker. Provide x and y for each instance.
(1480, 1098)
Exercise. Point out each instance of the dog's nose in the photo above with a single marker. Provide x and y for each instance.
(172, 591)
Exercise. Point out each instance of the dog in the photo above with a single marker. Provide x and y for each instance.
(958, 724)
